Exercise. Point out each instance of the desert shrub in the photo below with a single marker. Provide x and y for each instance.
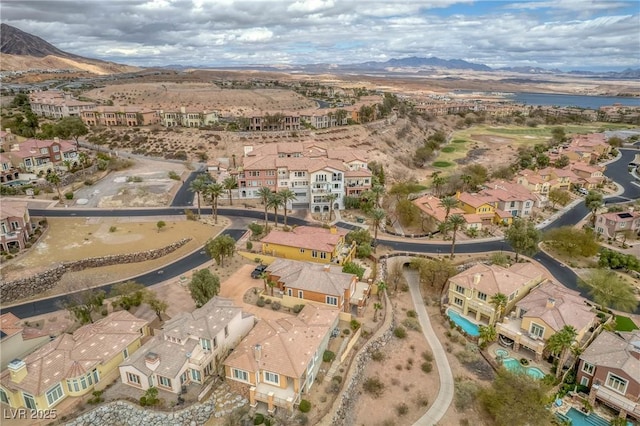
(134, 179)
(297, 308)
(346, 332)
(258, 419)
(400, 332)
(427, 367)
(190, 215)
(333, 387)
(113, 229)
(337, 378)
(412, 324)
(96, 398)
(378, 356)
(328, 356)
(412, 314)
(399, 367)
(301, 419)
(305, 406)
(68, 195)
(422, 400)
(466, 392)
(173, 175)
(276, 306)
(466, 357)
(267, 301)
(260, 302)
(402, 409)
(249, 245)
(354, 324)
(373, 386)
(87, 182)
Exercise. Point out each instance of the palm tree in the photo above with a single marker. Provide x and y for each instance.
(487, 334)
(448, 203)
(287, 196)
(455, 222)
(331, 198)
(198, 185)
(593, 201)
(54, 179)
(499, 302)
(437, 182)
(376, 307)
(84, 159)
(265, 194)
(382, 286)
(275, 202)
(264, 276)
(378, 191)
(466, 182)
(230, 183)
(377, 216)
(560, 345)
(214, 191)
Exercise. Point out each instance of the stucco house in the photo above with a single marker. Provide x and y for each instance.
(309, 243)
(189, 348)
(611, 225)
(610, 366)
(279, 359)
(17, 340)
(72, 364)
(15, 225)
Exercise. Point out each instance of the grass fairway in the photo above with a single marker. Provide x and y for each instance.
(625, 324)
(442, 164)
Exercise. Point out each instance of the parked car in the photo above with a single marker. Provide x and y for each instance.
(258, 271)
(583, 191)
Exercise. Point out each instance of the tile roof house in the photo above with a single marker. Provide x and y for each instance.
(15, 225)
(189, 348)
(485, 206)
(610, 225)
(322, 283)
(313, 244)
(611, 367)
(542, 313)
(72, 364)
(8, 172)
(57, 104)
(589, 176)
(43, 156)
(470, 291)
(279, 359)
(17, 340)
(511, 198)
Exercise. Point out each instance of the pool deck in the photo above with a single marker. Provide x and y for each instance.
(545, 367)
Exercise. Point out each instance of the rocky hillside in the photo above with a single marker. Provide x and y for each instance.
(23, 51)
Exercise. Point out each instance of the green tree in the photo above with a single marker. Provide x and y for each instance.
(378, 192)
(562, 162)
(204, 286)
(265, 194)
(363, 239)
(377, 216)
(330, 199)
(523, 237)
(275, 202)
(437, 183)
(382, 286)
(606, 288)
(559, 196)
(615, 142)
(615, 260)
(230, 183)
(198, 186)
(353, 268)
(488, 334)
(128, 294)
(264, 276)
(157, 305)
(220, 247)
(160, 224)
(448, 203)
(54, 179)
(434, 273)
(559, 344)
(572, 242)
(377, 306)
(455, 223)
(499, 302)
(479, 175)
(558, 135)
(287, 196)
(407, 212)
(214, 191)
(509, 390)
(71, 127)
(83, 303)
(593, 201)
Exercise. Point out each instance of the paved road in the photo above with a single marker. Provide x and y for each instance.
(445, 393)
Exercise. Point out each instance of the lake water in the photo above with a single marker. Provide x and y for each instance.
(580, 101)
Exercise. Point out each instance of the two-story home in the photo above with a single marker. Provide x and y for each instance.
(485, 207)
(611, 225)
(511, 198)
(119, 116)
(8, 173)
(589, 176)
(189, 348)
(43, 156)
(470, 291)
(279, 359)
(610, 366)
(323, 283)
(17, 340)
(57, 104)
(15, 225)
(542, 313)
(72, 364)
(309, 243)
(430, 206)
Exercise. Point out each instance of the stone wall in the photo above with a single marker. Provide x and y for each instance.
(25, 287)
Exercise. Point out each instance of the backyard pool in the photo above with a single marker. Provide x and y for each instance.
(502, 353)
(470, 328)
(580, 419)
(514, 366)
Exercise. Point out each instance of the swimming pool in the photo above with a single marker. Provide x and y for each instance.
(514, 366)
(581, 419)
(502, 353)
(470, 328)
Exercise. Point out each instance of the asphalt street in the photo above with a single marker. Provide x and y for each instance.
(617, 171)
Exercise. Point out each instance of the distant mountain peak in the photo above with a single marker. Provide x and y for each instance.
(421, 62)
(17, 42)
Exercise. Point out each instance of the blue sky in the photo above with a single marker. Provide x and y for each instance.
(564, 34)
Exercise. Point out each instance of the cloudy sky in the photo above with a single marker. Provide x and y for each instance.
(565, 34)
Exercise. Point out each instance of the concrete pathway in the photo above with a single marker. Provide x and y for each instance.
(442, 402)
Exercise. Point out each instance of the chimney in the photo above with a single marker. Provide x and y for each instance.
(257, 352)
(476, 279)
(551, 303)
(18, 370)
(152, 360)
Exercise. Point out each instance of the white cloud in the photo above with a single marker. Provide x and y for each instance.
(309, 6)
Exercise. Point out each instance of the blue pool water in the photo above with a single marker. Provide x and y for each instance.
(514, 366)
(581, 419)
(470, 328)
(502, 353)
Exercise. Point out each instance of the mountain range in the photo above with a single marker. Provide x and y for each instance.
(22, 51)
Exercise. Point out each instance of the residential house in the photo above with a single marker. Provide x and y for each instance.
(17, 340)
(187, 117)
(470, 291)
(279, 360)
(8, 173)
(596, 143)
(189, 348)
(511, 198)
(309, 243)
(485, 207)
(57, 104)
(544, 180)
(323, 283)
(119, 116)
(589, 176)
(43, 156)
(610, 366)
(274, 122)
(430, 206)
(72, 364)
(542, 313)
(612, 224)
(15, 226)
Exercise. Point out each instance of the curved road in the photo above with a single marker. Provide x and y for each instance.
(616, 171)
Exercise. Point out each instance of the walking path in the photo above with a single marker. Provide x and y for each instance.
(442, 402)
